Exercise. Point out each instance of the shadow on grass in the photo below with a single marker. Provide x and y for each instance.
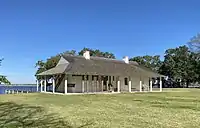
(14, 115)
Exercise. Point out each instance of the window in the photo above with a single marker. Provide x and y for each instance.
(125, 81)
(95, 77)
(84, 77)
(71, 85)
(113, 78)
(106, 78)
(76, 75)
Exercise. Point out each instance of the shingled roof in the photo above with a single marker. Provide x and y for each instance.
(99, 66)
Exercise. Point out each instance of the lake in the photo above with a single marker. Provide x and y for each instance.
(21, 88)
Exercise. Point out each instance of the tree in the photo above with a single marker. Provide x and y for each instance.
(97, 53)
(3, 79)
(1, 61)
(152, 62)
(194, 43)
(194, 61)
(180, 64)
(71, 52)
(108, 55)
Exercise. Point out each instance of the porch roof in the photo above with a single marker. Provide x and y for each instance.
(60, 69)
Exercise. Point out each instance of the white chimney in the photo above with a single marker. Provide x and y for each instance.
(86, 54)
(126, 60)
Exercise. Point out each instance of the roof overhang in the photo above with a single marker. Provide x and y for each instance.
(147, 72)
(59, 69)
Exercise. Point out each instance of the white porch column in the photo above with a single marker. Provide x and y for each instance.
(140, 86)
(92, 86)
(83, 82)
(118, 86)
(160, 84)
(129, 86)
(37, 81)
(65, 86)
(41, 85)
(53, 85)
(107, 85)
(102, 85)
(45, 85)
(98, 86)
(151, 86)
(88, 86)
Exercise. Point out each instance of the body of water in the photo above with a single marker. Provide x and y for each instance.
(19, 88)
(4, 89)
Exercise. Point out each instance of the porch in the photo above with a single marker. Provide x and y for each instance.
(93, 84)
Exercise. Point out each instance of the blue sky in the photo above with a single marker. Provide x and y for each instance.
(32, 30)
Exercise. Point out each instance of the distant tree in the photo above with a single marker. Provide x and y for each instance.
(40, 64)
(3, 79)
(98, 53)
(152, 62)
(180, 64)
(108, 55)
(194, 43)
(71, 52)
(194, 61)
(1, 61)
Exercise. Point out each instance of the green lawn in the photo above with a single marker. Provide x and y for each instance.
(138, 110)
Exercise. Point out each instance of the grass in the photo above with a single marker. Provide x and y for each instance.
(178, 109)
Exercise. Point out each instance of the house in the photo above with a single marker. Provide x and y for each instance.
(87, 74)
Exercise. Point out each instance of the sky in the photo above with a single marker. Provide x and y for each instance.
(32, 30)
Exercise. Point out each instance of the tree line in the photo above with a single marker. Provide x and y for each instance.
(181, 64)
